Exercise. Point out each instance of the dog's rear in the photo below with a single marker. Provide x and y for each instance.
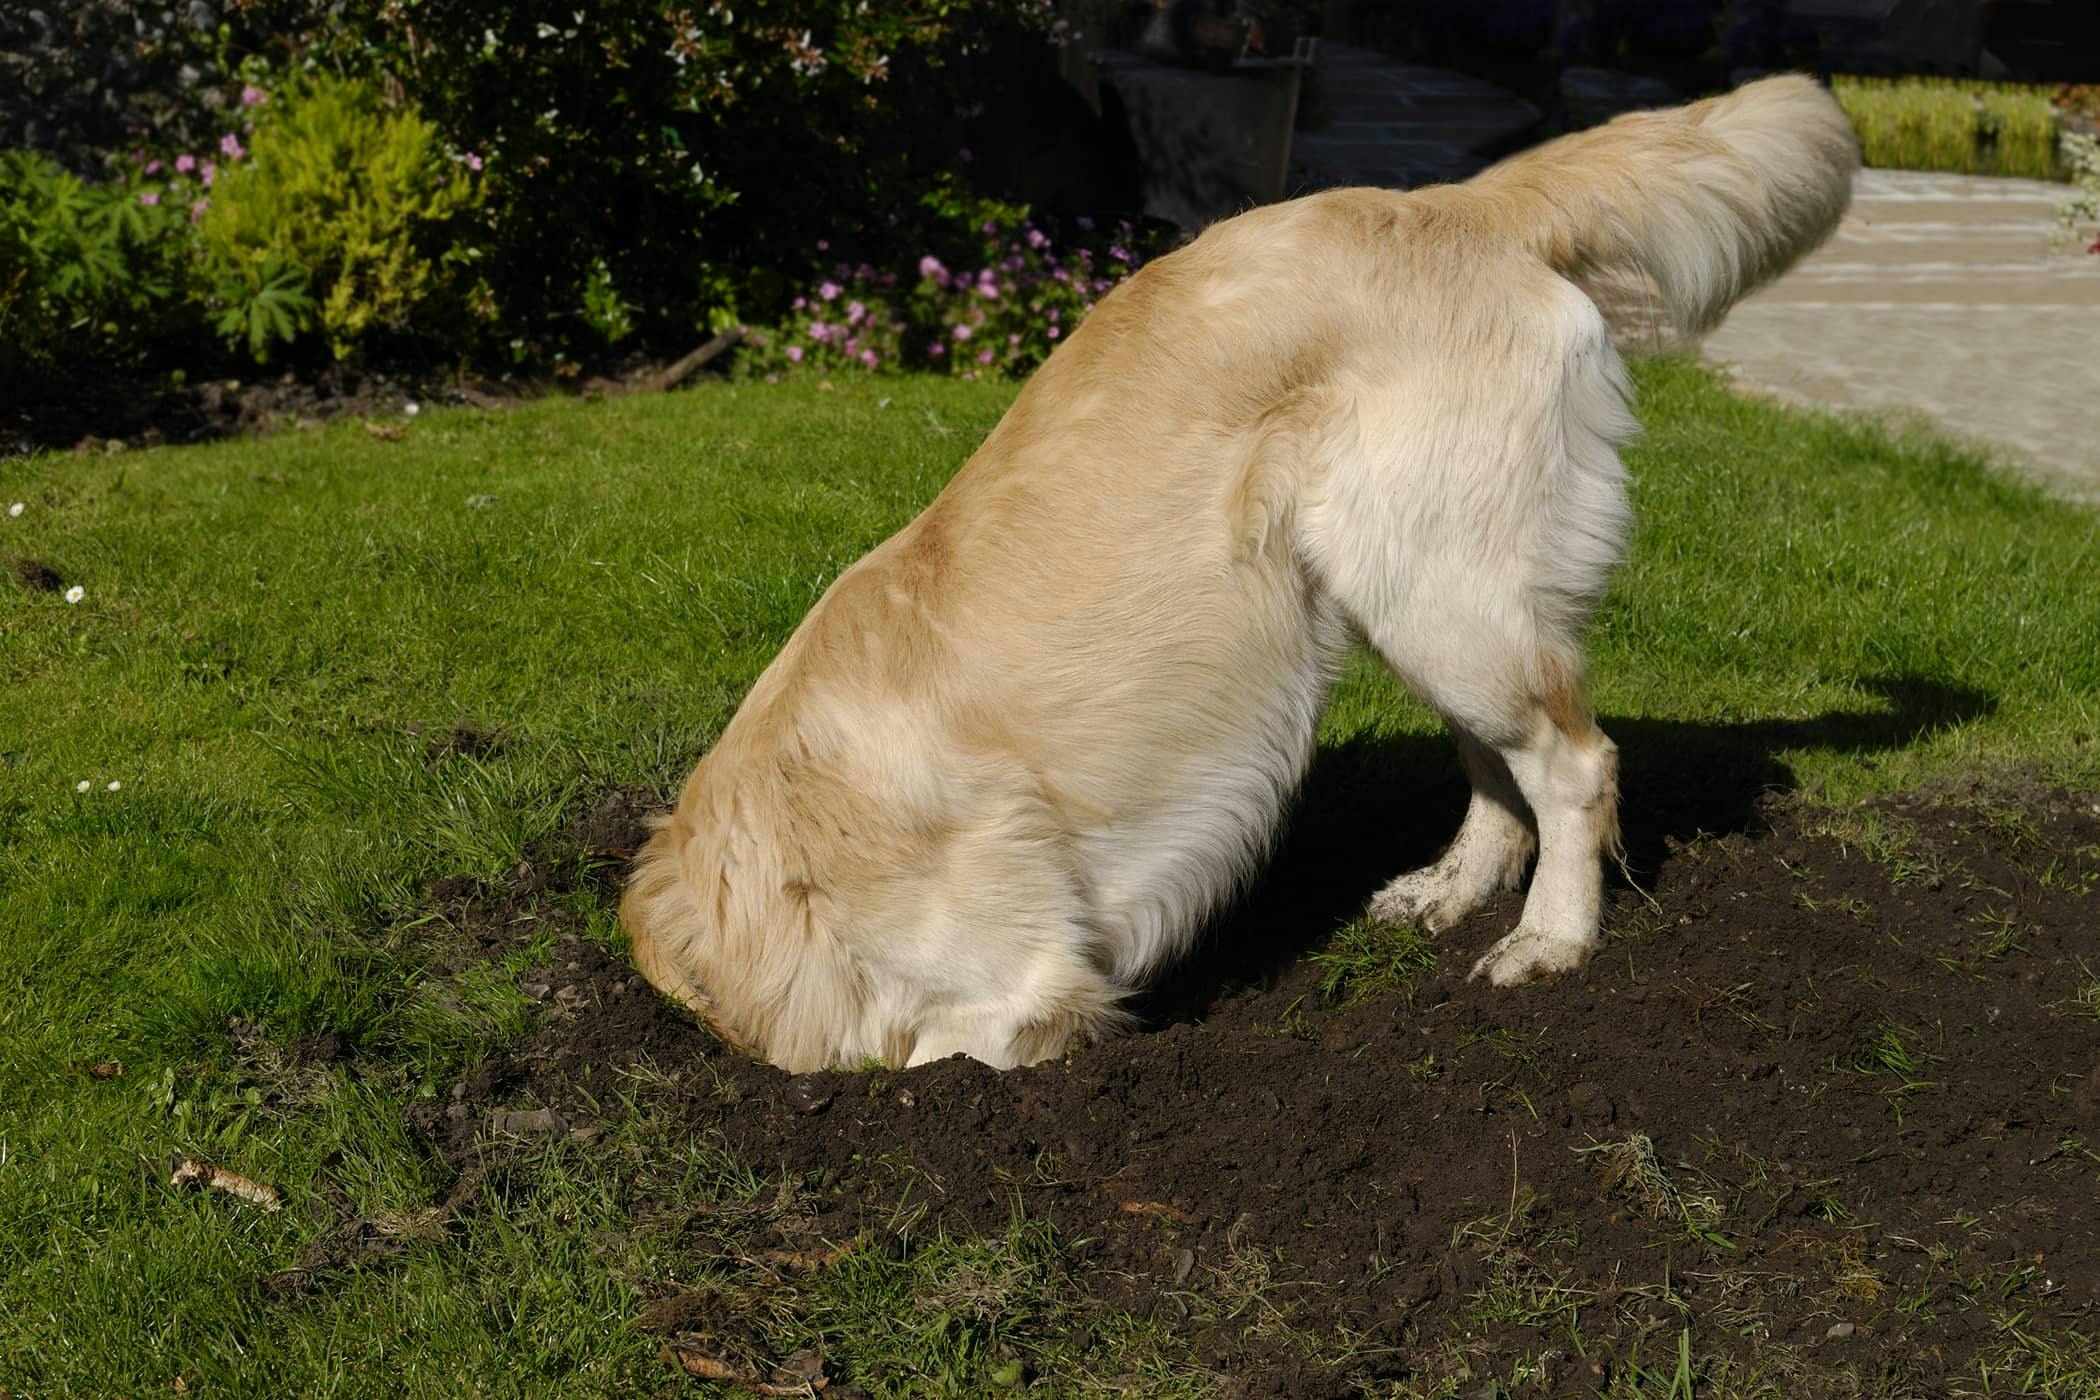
(1013, 757)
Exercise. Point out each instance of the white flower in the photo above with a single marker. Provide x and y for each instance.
(114, 784)
(17, 508)
(411, 408)
(75, 593)
(82, 786)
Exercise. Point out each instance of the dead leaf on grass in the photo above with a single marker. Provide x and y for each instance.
(802, 1373)
(195, 1173)
(386, 432)
(801, 1260)
(103, 1069)
(1155, 1209)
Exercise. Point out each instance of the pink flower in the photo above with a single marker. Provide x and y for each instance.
(962, 332)
(869, 358)
(795, 353)
(801, 302)
(152, 168)
(253, 96)
(185, 163)
(1037, 238)
(855, 313)
(829, 290)
(1119, 252)
(936, 349)
(230, 147)
(819, 331)
(1053, 333)
(986, 357)
(823, 245)
(208, 172)
(988, 290)
(930, 266)
(150, 197)
(473, 160)
(197, 209)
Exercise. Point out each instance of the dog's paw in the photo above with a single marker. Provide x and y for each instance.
(1423, 898)
(1527, 953)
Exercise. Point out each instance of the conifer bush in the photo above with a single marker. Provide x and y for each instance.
(356, 197)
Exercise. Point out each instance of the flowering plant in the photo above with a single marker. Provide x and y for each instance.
(2082, 157)
(997, 313)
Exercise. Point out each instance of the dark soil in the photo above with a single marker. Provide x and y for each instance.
(104, 414)
(1837, 1115)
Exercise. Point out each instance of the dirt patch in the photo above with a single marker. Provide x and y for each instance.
(1836, 1113)
(110, 413)
(35, 575)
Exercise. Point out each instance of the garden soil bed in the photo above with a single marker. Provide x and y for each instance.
(1837, 1115)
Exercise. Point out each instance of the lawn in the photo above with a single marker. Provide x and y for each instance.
(314, 679)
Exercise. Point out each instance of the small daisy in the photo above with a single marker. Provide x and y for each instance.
(115, 783)
(75, 593)
(17, 508)
(82, 786)
(411, 409)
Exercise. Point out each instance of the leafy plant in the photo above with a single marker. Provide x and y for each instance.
(88, 272)
(2082, 158)
(348, 194)
(267, 313)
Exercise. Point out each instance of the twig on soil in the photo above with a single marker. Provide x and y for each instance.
(1157, 1209)
(195, 1172)
(680, 370)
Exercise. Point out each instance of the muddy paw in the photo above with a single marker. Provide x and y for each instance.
(1420, 898)
(1531, 953)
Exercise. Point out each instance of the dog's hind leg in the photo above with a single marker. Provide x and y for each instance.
(1489, 854)
(1529, 740)
(1568, 772)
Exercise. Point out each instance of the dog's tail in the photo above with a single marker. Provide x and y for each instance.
(1709, 199)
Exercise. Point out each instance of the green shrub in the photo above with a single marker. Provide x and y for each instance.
(657, 170)
(1953, 125)
(344, 192)
(90, 275)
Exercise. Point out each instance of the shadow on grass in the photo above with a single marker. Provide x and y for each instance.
(1375, 808)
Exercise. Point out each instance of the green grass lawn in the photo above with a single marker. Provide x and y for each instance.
(274, 631)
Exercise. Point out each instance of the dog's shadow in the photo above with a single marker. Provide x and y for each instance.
(1371, 809)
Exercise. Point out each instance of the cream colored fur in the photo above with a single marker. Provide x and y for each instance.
(1015, 756)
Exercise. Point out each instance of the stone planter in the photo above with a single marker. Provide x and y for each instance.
(1210, 141)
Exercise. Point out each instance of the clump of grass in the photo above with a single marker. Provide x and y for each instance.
(1888, 1052)
(1961, 126)
(1632, 1166)
(1369, 958)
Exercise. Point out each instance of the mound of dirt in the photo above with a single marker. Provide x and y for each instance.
(1837, 1114)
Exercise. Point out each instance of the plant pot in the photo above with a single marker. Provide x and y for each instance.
(1210, 141)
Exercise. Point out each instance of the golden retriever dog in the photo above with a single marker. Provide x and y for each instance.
(1016, 755)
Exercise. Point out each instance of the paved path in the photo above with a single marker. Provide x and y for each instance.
(1393, 124)
(1946, 296)
(1949, 296)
